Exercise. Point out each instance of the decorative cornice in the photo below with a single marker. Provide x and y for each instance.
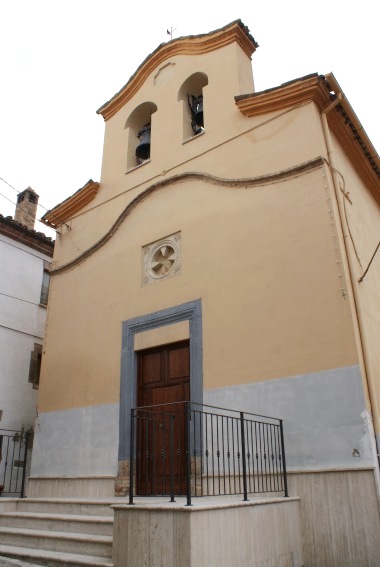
(322, 90)
(180, 178)
(367, 164)
(67, 209)
(311, 87)
(190, 45)
(354, 140)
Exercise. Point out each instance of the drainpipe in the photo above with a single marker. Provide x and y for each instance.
(351, 287)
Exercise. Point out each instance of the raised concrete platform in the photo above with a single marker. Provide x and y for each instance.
(216, 531)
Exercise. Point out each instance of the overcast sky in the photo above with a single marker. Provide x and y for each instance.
(60, 61)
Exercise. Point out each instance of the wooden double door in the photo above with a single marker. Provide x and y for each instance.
(163, 383)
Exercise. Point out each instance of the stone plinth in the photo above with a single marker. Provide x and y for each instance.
(213, 532)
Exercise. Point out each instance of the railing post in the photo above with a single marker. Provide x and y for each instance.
(27, 436)
(283, 457)
(171, 448)
(188, 455)
(243, 455)
(131, 456)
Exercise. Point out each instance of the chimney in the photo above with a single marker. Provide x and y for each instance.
(26, 208)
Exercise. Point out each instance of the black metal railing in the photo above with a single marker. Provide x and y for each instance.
(194, 449)
(14, 447)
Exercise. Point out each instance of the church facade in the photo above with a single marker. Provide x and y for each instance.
(240, 227)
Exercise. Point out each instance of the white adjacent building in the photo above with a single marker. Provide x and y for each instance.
(25, 257)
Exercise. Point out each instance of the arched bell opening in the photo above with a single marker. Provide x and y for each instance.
(192, 96)
(139, 128)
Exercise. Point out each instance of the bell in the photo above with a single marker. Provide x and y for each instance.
(198, 111)
(143, 149)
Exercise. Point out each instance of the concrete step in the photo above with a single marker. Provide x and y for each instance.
(53, 558)
(95, 525)
(77, 543)
(87, 507)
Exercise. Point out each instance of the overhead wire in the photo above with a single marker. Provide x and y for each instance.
(346, 196)
(18, 192)
(17, 204)
(231, 138)
(22, 332)
(22, 249)
(370, 262)
(22, 208)
(19, 299)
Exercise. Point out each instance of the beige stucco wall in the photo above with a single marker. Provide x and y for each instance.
(361, 222)
(229, 74)
(278, 325)
(263, 262)
(266, 144)
(272, 142)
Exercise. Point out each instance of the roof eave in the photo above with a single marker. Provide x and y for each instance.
(64, 211)
(322, 89)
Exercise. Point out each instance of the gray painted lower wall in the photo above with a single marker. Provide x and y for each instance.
(77, 442)
(324, 413)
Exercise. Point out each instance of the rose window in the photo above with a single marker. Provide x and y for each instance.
(163, 260)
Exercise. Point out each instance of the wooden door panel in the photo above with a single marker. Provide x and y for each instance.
(150, 368)
(178, 363)
(167, 395)
(163, 380)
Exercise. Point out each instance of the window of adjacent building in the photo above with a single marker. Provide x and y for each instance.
(191, 94)
(140, 134)
(35, 366)
(45, 284)
(45, 288)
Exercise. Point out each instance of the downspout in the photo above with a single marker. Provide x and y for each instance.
(351, 288)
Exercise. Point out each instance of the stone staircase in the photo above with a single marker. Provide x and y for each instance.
(57, 532)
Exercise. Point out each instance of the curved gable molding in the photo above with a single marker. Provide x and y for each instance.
(190, 45)
(180, 178)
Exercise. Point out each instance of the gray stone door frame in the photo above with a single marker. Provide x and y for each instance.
(191, 312)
